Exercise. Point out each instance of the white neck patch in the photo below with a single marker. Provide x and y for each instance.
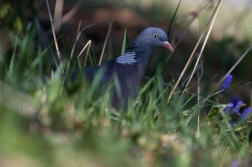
(126, 58)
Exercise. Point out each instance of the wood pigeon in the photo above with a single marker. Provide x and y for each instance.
(129, 67)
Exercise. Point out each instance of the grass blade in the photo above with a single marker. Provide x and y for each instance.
(124, 40)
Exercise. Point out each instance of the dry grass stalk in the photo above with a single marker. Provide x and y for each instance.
(53, 32)
(194, 50)
(204, 44)
(88, 44)
(58, 14)
(105, 43)
(195, 14)
(233, 67)
(72, 52)
(71, 13)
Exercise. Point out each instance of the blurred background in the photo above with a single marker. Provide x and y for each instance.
(230, 37)
(25, 31)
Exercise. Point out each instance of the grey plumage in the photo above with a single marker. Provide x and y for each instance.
(129, 67)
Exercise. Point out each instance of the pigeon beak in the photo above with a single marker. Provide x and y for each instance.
(168, 46)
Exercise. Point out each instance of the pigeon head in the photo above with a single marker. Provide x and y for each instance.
(154, 37)
(143, 45)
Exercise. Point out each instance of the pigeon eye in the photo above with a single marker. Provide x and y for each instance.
(155, 35)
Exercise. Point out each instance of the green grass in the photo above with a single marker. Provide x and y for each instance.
(42, 125)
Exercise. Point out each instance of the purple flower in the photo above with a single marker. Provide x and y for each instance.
(226, 83)
(232, 122)
(237, 107)
(235, 100)
(228, 108)
(245, 113)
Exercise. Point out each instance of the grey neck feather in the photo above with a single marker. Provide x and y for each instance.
(134, 53)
